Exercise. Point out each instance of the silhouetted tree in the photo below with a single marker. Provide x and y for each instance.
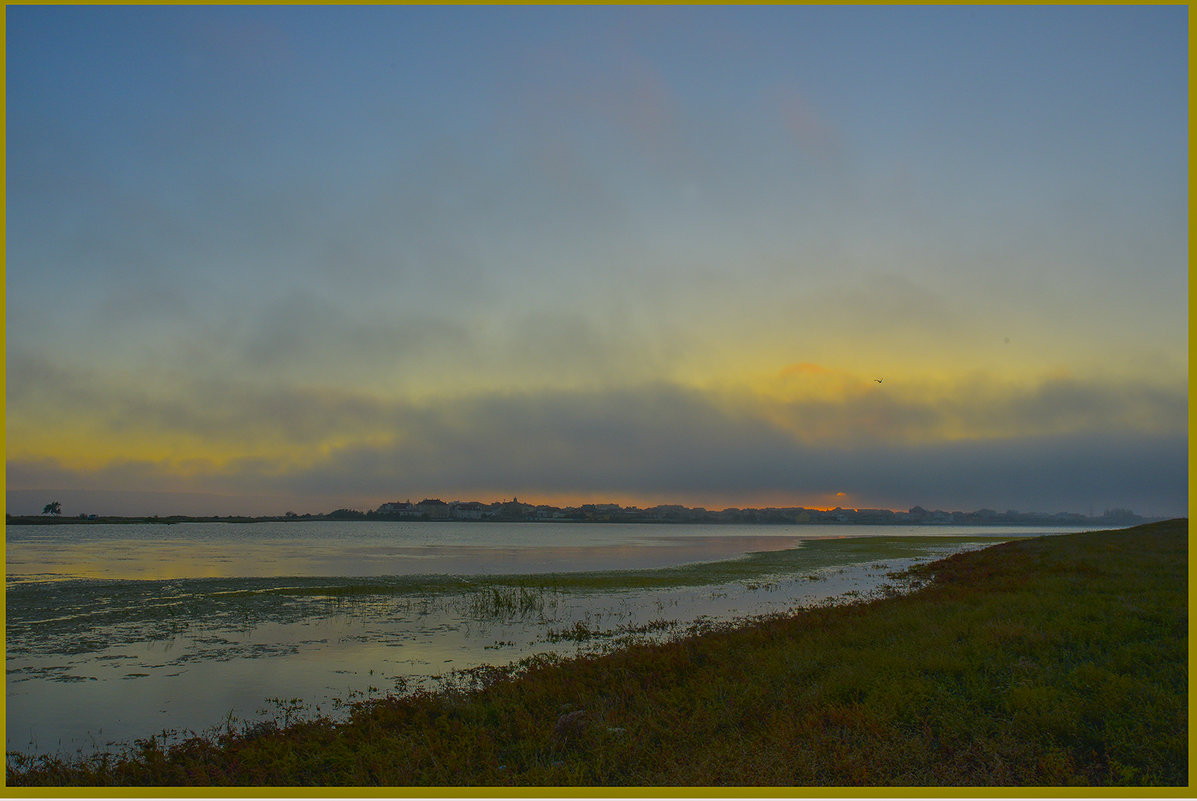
(52, 508)
(346, 514)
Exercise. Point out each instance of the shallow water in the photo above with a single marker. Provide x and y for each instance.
(327, 548)
(119, 632)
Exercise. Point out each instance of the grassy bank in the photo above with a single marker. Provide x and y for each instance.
(1051, 661)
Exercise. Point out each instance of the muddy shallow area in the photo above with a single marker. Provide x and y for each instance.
(94, 663)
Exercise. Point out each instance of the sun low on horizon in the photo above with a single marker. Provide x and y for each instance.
(300, 257)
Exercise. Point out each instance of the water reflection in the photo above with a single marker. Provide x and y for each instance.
(326, 548)
(117, 632)
(215, 550)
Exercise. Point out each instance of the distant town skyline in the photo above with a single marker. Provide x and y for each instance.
(271, 258)
(434, 510)
(101, 504)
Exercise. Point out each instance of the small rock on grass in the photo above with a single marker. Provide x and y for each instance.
(569, 727)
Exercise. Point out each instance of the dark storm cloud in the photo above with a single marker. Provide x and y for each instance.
(1058, 473)
(661, 437)
(673, 443)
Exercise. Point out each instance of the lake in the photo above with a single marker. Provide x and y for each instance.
(118, 632)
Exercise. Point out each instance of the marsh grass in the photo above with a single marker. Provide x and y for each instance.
(1044, 662)
(502, 603)
(582, 631)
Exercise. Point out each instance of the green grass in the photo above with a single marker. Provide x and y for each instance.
(1051, 661)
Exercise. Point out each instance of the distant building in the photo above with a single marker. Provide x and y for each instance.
(470, 510)
(433, 508)
(398, 509)
(514, 510)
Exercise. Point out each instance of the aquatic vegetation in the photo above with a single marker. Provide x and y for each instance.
(504, 602)
(1045, 662)
(581, 631)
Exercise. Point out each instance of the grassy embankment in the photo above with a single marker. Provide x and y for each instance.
(1051, 661)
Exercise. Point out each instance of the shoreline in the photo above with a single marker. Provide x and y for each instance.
(1009, 656)
(611, 513)
(483, 622)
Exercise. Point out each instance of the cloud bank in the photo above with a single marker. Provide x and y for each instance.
(1052, 447)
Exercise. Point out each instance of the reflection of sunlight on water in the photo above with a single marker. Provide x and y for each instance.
(194, 550)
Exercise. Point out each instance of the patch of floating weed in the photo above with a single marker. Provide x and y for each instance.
(498, 644)
(768, 586)
(581, 631)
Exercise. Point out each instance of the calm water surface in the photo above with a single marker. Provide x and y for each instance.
(324, 548)
(117, 632)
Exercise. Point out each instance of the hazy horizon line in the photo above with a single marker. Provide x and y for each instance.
(31, 502)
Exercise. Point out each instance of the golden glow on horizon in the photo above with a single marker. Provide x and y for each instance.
(177, 454)
(805, 402)
(713, 502)
(804, 368)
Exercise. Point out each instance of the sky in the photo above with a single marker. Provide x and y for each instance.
(269, 259)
